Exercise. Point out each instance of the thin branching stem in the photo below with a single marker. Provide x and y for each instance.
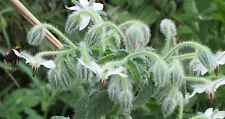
(56, 31)
(149, 54)
(196, 79)
(181, 109)
(184, 56)
(115, 27)
(50, 53)
(129, 22)
(6, 36)
(193, 45)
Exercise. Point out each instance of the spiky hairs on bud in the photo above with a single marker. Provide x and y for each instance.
(168, 28)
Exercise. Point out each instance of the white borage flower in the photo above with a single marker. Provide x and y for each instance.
(85, 4)
(220, 57)
(211, 114)
(105, 71)
(168, 28)
(200, 69)
(208, 87)
(35, 61)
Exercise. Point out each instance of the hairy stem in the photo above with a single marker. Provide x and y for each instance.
(50, 53)
(184, 56)
(193, 45)
(149, 54)
(56, 31)
(6, 36)
(181, 109)
(110, 24)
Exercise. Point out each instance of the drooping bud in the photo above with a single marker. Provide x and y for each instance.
(168, 28)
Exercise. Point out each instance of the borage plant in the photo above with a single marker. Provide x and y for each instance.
(119, 73)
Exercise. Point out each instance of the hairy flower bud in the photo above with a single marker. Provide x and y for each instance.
(168, 28)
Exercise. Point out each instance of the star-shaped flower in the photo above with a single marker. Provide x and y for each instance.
(35, 61)
(211, 114)
(103, 72)
(85, 4)
(208, 87)
(168, 28)
(200, 69)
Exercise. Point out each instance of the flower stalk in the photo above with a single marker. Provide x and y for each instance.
(34, 21)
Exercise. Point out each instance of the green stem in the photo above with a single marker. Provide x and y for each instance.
(5, 11)
(181, 109)
(6, 36)
(193, 45)
(184, 56)
(129, 22)
(50, 53)
(142, 53)
(56, 31)
(149, 54)
(110, 24)
(196, 79)
(167, 46)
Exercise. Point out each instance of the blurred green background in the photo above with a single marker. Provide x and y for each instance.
(24, 94)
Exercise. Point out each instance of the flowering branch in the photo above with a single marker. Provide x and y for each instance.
(34, 21)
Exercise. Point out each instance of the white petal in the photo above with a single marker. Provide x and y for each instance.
(168, 27)
(199, 88)
(23, 55)
(84, 3)
(94, 67)
(97, 6)
(50, 64)
(84, 21)
(208, 113)
(219, 115)
(118, 71)
(217, 83)
(198, 67)
(74, 8)
(17, 53)
(220, 57)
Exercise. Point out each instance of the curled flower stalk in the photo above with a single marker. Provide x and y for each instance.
(107, 24)
(37, 34)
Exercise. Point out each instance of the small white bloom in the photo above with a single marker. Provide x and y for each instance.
(105, 71)
(84, 21)
(85, 4)
(198, 67)
(220, 57)
(92, 66)
(212, 114)
(168, 28)
(208, 87)
(35, 62)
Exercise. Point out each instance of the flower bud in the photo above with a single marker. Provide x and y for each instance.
(168, 28)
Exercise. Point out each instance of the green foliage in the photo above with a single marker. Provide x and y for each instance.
(109, 70)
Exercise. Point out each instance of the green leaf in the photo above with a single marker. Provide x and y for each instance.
(190, 8)
(32, 114)
(3, 23)
(144, 94)
(113, 56)
(94, 106)
(133, 70)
